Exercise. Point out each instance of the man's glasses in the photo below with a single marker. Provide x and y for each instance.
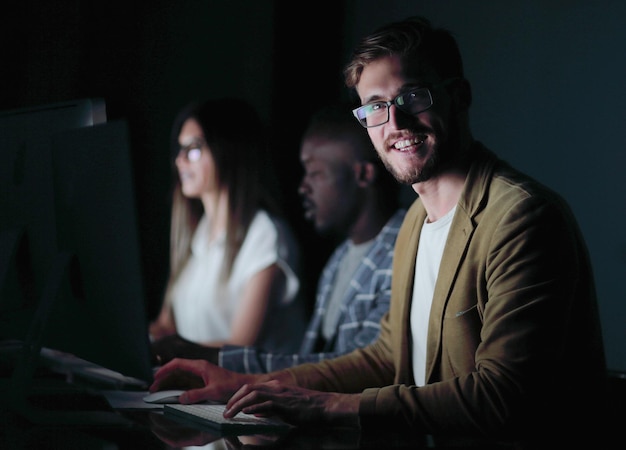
(411, 102)
(192, 152)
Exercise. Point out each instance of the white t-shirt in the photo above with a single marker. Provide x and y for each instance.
(432, 241)
(204, 306)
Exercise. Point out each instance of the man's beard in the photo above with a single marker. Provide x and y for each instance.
(417, 173)
(444, 155)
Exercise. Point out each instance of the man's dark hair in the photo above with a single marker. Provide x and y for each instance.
(336, 122)
(412, 39)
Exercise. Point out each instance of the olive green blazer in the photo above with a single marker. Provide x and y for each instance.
(513, 327)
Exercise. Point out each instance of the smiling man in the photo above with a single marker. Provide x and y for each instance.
(493, 328)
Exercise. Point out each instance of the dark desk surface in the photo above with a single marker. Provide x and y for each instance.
(45, 425)
(55, 414)
(150, 429)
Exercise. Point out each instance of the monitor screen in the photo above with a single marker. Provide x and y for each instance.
(26, 195)
(94, 205)
(66, 188)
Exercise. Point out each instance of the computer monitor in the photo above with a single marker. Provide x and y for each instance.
(70, 272)
(96, 217)
(26, 199)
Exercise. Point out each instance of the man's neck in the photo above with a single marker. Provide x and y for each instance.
(369, 224)
(440, 194)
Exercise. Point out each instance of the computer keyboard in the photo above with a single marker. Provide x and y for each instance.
(212, 415)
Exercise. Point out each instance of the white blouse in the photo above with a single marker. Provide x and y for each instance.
(204, 306)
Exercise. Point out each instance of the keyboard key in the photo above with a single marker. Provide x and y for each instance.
(212, 415)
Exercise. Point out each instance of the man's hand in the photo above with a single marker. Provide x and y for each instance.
(295, 405)
(253, 394)
(203, 380)
(174, 346)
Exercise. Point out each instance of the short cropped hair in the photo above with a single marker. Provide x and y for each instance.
(411, 39)
(336, 123)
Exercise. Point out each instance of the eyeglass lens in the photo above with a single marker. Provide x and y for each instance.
(413, 102)
(191, 152)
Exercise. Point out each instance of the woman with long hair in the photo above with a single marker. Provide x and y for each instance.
(234, 276)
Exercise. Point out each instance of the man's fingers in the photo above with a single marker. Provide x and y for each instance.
(258, 397)
(178, 374)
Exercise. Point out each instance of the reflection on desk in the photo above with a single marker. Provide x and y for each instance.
(152, 430)
(177, 435)
(53, 412)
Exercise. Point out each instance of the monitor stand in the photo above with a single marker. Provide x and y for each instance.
(55, 401)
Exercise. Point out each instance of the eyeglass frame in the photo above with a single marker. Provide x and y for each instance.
(185, 151)
(394, 101)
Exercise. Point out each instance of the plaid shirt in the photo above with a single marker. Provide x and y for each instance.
(364, 303)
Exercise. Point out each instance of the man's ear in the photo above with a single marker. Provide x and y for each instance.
(365, 173)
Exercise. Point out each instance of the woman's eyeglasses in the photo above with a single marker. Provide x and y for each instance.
(192, 152)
